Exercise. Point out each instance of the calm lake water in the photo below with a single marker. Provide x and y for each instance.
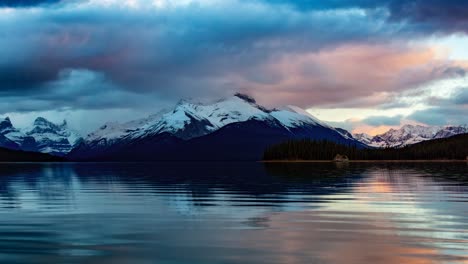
(234, 213)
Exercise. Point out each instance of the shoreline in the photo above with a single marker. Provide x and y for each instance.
(364, 161)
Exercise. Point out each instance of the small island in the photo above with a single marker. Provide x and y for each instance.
(341, 158)
(438, 150)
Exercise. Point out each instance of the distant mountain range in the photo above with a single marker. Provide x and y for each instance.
(236, 128)
(43, 136)
(410, 134)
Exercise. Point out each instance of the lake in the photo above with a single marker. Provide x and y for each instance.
(234, 213)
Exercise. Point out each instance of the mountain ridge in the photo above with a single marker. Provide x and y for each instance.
(410, 134)
(42, 136)
(214, 124)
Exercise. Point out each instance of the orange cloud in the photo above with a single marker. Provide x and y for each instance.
(348, 73)
(373, 130)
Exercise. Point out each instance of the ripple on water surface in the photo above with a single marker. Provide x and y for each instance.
(234, 213)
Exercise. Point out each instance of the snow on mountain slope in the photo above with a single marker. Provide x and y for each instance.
(190, 120)
(113, 131)
(308, 117)
(236, 128)
(43, 136)
(364, 138)
(344, 133)
(451, 131)
(293, 116)
(14, 138)
(410, 134)
(187, 120)
(213, 116)
(6, 126)
(52, 138)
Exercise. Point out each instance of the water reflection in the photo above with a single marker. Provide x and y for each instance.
(233, 213)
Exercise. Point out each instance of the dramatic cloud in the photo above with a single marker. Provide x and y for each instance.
(446, 115)
(461, 98)
(204, 50)
(332, 78)
(445, 110)
(26, 3)
(92, 55)
(438, 15)
(421, 15)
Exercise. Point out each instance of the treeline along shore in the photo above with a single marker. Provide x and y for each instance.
(9, 155)
(452, 148)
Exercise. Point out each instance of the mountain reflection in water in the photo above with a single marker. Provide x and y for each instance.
(233, 213)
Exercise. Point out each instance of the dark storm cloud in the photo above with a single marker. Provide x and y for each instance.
(441, 15)
(205, 51)
(440, 115)
(424, 15)
(461, 98)
(23, 78)
(445, 111)
(85, 89)
(454, 71)
(26, 3)
(187, 51)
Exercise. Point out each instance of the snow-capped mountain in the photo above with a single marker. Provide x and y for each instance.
(410, 134)
(235, 120)
(43, 136)
(364, 138)
(53, 138)
(13, 138)
(189, 120)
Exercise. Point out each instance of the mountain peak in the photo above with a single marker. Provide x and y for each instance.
(41, 121)
(6, 120)
(246, 98)
(183, 102)
(5, 124)
(43, 136)
(410, 134)
(64, 123)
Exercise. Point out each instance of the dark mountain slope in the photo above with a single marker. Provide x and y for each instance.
(237, 141)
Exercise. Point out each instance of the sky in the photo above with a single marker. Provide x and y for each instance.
(364, 65)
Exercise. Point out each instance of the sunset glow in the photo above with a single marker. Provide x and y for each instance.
(391, 63)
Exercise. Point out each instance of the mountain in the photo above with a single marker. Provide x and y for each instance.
(43, 136)
(364, 138)
(9, 155)
(344, 132)
(236, 128)
(52, 138)
(410, 134)
(13, 138)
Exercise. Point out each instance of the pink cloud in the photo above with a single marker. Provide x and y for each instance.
(350, 75)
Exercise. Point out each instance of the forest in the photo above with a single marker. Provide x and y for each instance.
(453, 148)
(8, 155)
